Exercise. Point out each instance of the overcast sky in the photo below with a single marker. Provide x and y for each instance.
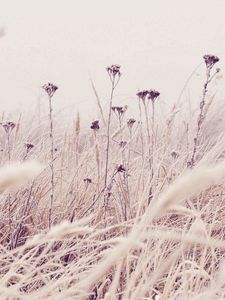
(158, 43)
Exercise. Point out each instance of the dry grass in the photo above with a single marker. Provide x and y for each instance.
(152, 228)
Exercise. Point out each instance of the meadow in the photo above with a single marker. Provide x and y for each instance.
(128, 208)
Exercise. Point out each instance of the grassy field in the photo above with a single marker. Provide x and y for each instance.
(132, 208)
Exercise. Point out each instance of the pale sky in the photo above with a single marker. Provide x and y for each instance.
(158, 43)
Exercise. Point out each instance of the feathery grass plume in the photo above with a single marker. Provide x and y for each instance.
(17, 173)
(189, 183)
(67, 228)
(112, 257)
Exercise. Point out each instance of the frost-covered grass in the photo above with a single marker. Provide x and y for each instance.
(130, 208)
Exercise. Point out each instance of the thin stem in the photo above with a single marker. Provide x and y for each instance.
(148, 133)
(125, 174)
(51, 161)
(8, 149)
(108, 132)
(201, 115)
(9, 198)
(153, 136)
(141, 128)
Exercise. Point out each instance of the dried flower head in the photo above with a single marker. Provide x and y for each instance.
(120, 168)
(130, 122)
(50, 89)
(29, 146)
(149, 94)
(87, 181)
(8, 126)
(174, 155)
(119, 110)
(122, 144)
(95, 125)
(210, 60)
(113, 71)
(142, 94)
(153, 95)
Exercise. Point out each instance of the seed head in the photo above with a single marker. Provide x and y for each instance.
(50, 89)
(113, 71)
(149, 94)
(153, 95)
(95, 125)
(29, 146)
(87, 180)
(120, 168)
(174, 154)
(210, 60)
(142, 94)
(8, 126)
(122, 144)
(119, 110)
(130, 122)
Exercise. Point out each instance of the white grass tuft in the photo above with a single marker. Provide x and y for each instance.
(15, 174)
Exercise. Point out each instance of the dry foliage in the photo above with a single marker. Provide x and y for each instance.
(146, 224)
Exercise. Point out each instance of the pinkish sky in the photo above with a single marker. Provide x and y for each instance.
(158, 43)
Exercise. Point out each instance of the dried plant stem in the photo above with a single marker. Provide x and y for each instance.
(77, 144)
(24, 216)
(150, 144)
(153, 140)
(150, 196)
(77, 138)
(10, 222)
(97, 158)
(98, 101)
(148, 131)
(108, 132)
(8, 146)
(141, 134)
(114, 75)
(201, 116)
(51, 162)
(129, 149)
(125, 174)
(107, 187)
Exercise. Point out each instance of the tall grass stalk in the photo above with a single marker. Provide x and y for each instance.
(50, 90)
(210, 61)
(114, 75)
